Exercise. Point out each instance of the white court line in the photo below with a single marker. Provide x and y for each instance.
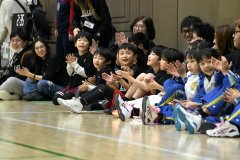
(109, 138)
(35, 112)
(53, 112)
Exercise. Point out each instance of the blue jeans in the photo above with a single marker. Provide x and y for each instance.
(44, 87)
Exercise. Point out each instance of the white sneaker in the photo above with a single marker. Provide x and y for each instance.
(149, 113)
(6, 96)
(74, 104)
(61, 102)
(192, 122)
(224, 129)
(68, 103)
(124, 108)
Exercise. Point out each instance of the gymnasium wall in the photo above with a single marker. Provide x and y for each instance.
(166, 14)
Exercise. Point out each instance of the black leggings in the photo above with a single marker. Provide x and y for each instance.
(67, 95)
(101, 92)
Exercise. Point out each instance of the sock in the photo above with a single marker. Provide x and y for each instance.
(132, 99)
(160, 117)
(125, 99)
(135, 112)
(203, 114)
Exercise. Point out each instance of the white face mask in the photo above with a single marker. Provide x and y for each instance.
(16, 51)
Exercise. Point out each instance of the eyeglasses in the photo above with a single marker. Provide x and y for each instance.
(39, 48)
(139, 27)
(236, 32)
(17, 41)
(189, 31)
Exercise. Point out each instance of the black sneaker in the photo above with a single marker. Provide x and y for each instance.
(34, 96)
(206, 126)
(110, 110)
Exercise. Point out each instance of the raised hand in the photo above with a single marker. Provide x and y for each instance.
(181, 68)
(216, 64)
(107, 77)
(225, 65)
(116, 77)
(121, 38)
(70, 58)
(124, 74)
(172, 70)
(93, 47)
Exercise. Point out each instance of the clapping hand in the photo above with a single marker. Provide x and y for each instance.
(70, 58)
(172, 70)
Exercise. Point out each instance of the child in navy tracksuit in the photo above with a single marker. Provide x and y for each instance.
(213, 79)
(79, 66)
(175, 90)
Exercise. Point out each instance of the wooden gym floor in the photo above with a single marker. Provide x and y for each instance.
(33, 130)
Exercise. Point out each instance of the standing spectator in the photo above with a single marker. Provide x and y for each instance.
(63, 29)
(95, 18)
(40, 20)
(8, 8)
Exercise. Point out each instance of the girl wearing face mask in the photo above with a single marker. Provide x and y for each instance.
(10, 80)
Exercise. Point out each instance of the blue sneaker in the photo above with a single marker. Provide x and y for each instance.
(192, 122)
(179, 125)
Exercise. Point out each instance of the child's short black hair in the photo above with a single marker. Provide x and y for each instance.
(158, 50)
(106, 53)
(199, 44)
(84, 34)
(205, 31)
(208, 53)
(138, 38)
(20, 33)
(129, 47)
(192, 54)
(189, 21)
(172, 54)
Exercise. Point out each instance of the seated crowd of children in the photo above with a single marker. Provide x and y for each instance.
(197, 90)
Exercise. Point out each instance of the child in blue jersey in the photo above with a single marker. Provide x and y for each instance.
(217, 106)
(131, 108)
(213, 79)
(175, 90)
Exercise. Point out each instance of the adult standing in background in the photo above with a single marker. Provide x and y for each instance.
(8, 8)
(63, 28)
(41, 23)
(96, 19)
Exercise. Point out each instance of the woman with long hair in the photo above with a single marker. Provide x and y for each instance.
(223, 40)
(49, 77)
